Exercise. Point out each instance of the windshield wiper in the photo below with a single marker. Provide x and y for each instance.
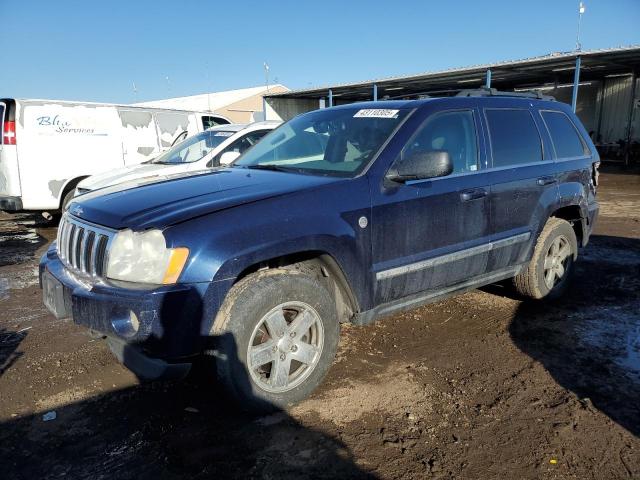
(274, 168)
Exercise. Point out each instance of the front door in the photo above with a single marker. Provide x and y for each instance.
(433, 233)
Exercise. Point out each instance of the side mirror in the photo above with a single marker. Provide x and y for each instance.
(421, 165)
(228, 157)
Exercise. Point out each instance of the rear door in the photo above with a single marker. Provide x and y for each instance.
(523, 182)
(429, 234)
(139, 136)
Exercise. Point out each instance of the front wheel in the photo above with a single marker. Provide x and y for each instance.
(276, 336)
(548, 273)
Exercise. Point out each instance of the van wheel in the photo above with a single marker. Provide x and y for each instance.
(548, 273)
(275, 336)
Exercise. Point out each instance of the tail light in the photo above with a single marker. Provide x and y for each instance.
(9, 133)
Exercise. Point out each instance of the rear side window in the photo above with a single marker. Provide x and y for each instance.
(565, 138)
(514, 137)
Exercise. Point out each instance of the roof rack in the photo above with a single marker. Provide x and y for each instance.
(492, 92)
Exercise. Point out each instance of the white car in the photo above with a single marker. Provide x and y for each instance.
(216, 146)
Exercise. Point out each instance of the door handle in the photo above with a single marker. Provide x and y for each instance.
(474, 194)
(546, 181)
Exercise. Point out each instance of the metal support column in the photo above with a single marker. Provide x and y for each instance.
(375, 92)
(488, 82)
(576, 84)
(330, 98)
(627, 145)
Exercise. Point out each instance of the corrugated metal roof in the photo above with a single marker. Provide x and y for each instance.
(544, 61)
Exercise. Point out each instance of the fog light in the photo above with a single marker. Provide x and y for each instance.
(126, 325)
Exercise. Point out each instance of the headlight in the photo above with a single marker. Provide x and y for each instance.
(144, 257)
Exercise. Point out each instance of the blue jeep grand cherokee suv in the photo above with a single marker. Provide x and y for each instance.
(341, 214)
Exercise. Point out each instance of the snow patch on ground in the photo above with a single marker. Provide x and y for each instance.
(614, 331)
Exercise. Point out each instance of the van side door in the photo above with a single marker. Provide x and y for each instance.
(139, 136)
(523, 182)
(433, 233)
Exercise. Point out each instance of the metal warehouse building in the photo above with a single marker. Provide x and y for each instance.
(601, 84)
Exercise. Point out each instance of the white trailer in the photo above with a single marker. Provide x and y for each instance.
(48, 146)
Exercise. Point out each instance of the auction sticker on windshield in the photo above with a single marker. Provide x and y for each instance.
(223, 134)
(376, 113)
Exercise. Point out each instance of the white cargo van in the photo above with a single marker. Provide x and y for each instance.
(48, 146)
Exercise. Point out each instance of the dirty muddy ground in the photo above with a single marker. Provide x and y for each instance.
(479, 386)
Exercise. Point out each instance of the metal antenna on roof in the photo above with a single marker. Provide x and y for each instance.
(581, 10)
(266, 75)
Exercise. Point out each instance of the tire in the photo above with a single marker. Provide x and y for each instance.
(538, 282)
(263, 311)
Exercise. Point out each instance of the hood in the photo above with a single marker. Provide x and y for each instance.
(161, 203)
(124, 174)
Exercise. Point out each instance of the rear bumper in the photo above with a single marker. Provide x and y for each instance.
(154, 332)
(10, 204)
(588, 226)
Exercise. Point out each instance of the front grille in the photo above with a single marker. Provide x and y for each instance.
(83, 246)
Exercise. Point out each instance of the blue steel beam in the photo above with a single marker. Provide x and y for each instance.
(576, 84)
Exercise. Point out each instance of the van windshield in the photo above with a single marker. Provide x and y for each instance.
(335, 142)
(193, 148)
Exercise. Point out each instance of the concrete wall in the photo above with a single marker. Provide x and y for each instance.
(248, 109)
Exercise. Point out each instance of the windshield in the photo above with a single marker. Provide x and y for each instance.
(337, 142)
(194, 148)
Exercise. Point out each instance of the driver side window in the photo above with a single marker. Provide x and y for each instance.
(453, 132)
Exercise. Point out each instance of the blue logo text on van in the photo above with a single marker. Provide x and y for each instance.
(62, 126)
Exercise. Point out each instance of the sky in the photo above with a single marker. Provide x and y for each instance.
(96, 51)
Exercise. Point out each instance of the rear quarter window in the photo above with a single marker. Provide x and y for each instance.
(566, 139)
(514, 137)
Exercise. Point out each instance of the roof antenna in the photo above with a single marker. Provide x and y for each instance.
(581, 10)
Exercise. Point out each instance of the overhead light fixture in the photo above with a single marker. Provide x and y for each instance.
(471, 80)
(389, 89)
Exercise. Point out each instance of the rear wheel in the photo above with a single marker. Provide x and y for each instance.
(548, 273)
(276, 336)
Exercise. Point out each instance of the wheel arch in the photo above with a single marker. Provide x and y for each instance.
(320, 264)
(574, 215)
(70, 184)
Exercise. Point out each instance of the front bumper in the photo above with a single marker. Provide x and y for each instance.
(168, 317)
(10, 204)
